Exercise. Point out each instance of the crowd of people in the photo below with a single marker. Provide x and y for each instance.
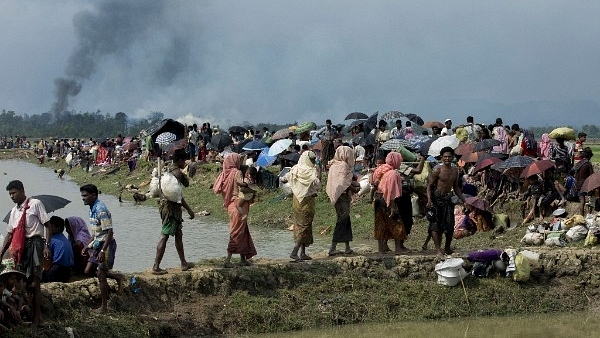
(42, 253)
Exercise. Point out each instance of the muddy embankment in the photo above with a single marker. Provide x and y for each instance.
(278, 295)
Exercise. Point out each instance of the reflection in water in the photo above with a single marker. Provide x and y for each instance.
(137, 227)
(583, 325)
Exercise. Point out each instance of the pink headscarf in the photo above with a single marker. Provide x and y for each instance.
(392, 162)
(79, 230)
(225, 183)
(544, 147)
(340, 173)
(390, 184)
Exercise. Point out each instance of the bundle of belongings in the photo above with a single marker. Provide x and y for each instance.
(562, 229)
(512, 264)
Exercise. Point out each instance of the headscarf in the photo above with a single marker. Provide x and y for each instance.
(390, 184)
(225, 183)
(392, 162)
(529, 140)
(79, 230)
(340, 173)
(544, 147)
(303, 175)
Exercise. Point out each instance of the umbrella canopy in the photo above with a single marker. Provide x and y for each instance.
(479, 203)
(292, 157)
(414, 118)
(51, 203)
(537, 167)
(486, 144)
(464, 149)
(279, 146)
(220, 141)
(591, 182)
(306, 126)
(281, 133)
(424, 147)
(394, 144)
(518, 161)
(356, 116)
(478, 156)
(165, 138)
(130, 146)
(237, 130)
(171, 147)
(562, 132)
(431, 124)
(392, 115)
(441, 142)
(356, 123)
(371, 123)
(238, 148)
(486, 162)
(264, 160)
(254, 145)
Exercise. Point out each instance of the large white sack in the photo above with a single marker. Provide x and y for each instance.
(171, 188)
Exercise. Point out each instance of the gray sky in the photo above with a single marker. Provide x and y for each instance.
(278, 61)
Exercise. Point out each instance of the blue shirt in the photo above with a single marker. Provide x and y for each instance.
(100, 220)
(62, 252)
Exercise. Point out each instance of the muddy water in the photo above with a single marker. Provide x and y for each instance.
(582, 325)
(137, 227)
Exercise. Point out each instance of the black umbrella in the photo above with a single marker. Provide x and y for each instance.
(50, 202)
(424, 150)
(238, 148)
(392, 115)
(371, 123)
(220, 141)
(292, 157)
(414, 118)
(237, 130)
(356, 123)
(485, 144)
(518, 161)
(356, 116)
(359, 139)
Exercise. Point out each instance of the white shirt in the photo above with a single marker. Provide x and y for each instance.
(35, 219)
(359, 152)
(446, 131)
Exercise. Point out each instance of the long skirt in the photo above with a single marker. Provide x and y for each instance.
(343, 228)
(386, 226)
(240, 241)
(304, 213)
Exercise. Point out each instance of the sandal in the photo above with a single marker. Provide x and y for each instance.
(305, 258)
(295, 257)
(159, 272)
(335, 252)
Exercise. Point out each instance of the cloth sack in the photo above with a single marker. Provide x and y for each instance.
(592, 237)
(499, 220)
(523, 271)
(171, 188)
(573, 220)
(577, 233)
(533, 238)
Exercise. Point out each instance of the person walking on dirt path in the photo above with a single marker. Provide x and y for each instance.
(440, 186)
(172, 218)
(103, 245)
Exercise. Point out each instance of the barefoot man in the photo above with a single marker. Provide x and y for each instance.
(442, 181)
(103, 245)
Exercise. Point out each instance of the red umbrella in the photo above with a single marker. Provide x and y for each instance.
(431, 124)
(591, 182)
(478, 202)
(486, 162)
(130, 146)
(537, 167)
(464, 149)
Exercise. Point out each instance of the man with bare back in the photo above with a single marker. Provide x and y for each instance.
(442, 181)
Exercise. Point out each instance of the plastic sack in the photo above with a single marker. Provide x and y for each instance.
(533, 238)
(573, 220)
(416, 206)
(500, 220)
(554, 241)
(523, 269)
(592, 237)
(421, 179)
(592, 220)
(450, 272)
(171, 188)
(577, 233)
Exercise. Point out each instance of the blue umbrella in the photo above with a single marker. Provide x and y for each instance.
(264, 160)
(254, 145)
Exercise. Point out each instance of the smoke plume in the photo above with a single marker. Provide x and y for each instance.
(111, 28)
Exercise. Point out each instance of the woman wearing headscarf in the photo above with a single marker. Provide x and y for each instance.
(388, 184)
(528, 144)
(227, 185)
(341, 184)
(79, 236)
(304, 182)
(544, 147)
